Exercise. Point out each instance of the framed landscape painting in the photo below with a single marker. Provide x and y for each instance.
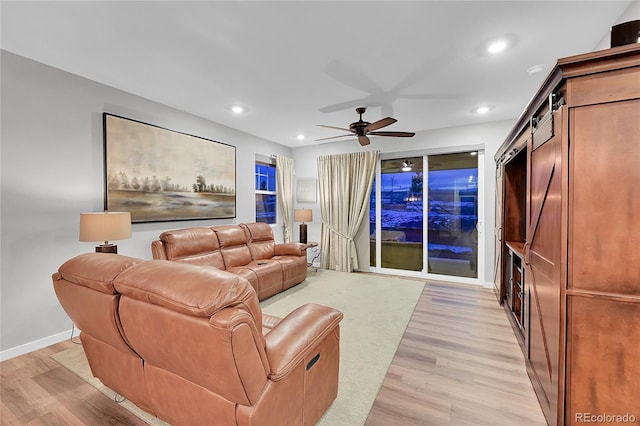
(161, 175)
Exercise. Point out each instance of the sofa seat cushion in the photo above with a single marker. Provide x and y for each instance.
(294, 269)
(268, 276)
(247, 274)
(268, 322)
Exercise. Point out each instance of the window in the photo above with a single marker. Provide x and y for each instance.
(266, 199)
(446, 185)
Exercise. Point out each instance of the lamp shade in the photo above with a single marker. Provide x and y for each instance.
(105, 226)
(303, 215)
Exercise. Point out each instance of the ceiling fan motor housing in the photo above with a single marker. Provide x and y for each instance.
(359, 127)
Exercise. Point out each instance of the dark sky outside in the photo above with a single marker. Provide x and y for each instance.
(438, 179)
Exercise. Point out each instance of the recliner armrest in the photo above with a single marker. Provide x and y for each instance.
(297, 335)
(290, 249)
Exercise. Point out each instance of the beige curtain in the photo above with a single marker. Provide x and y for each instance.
(284, 171)
(345, 184)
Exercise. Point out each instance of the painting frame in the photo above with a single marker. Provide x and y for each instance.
(306, 190)
(162, 175)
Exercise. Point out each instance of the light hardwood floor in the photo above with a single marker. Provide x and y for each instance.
(36, 390)
(457, 364)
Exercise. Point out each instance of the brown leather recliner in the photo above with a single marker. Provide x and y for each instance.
(190, 344)
(248, 250)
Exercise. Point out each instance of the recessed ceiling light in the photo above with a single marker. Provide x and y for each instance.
(535, 69)
(482, 110)
(474, 153)
(497, 46)
(237, 109)
(300, 137)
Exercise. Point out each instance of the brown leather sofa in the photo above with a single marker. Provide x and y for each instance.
(248, 250)
(190, 344)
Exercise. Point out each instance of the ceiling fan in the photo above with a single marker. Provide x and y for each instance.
(362, 128)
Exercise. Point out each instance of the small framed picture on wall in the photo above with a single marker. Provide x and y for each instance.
(306, 190)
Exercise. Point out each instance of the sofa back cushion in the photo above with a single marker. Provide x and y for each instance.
(198, 323)
(85, 288)
(260, 240)
(233, 245)
(196, 245)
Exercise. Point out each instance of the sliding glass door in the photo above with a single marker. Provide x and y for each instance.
(426, 222)
(453, 215)
(401, 215)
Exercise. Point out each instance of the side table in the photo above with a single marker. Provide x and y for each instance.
(313, 247)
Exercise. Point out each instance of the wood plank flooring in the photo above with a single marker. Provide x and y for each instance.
(36, 390)
(457, 364)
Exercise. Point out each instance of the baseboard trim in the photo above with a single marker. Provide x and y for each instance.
(37, 344)
(488, 284)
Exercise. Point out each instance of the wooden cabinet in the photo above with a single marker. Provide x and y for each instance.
(516, 297)
(569, 183)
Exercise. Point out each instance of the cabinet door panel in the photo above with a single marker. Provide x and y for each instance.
(604, 196)
(542, 276)
(601, 88)
(603, 371)
(497, 269)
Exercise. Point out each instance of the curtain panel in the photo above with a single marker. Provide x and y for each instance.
(284, 172)
(345, 183)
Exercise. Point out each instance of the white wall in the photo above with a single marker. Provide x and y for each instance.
(487, 136)
(52, 170)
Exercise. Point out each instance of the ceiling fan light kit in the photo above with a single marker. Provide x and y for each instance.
(361, 129)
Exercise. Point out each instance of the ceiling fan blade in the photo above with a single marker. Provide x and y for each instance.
(352, 77)
(363, 140)
(434, 96)
(333, 127)
(380, 124)
(394, 134)
(335, 137)
(342, 106)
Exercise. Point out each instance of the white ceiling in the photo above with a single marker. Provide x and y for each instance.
(293, 65)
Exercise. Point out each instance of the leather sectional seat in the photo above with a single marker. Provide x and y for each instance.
(190, 344)
(248, 250)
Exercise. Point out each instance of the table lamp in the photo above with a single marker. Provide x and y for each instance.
(303, 215)
(105, 226)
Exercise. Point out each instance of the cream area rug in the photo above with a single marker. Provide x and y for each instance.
(376, 312)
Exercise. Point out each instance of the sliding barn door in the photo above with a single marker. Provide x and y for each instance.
(497, 243)
(543, 261)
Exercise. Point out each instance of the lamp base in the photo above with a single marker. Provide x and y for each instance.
(107, 248)
(303, 233)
